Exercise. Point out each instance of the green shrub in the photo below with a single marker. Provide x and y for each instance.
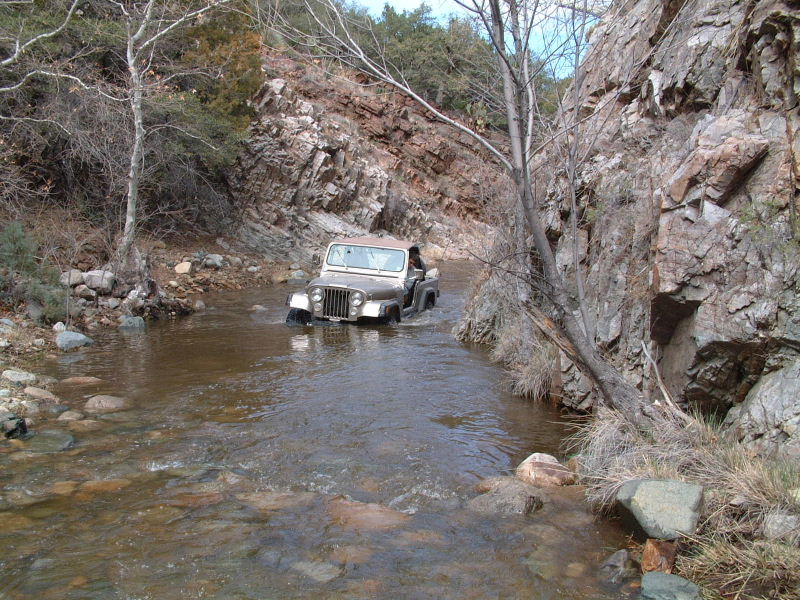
(17, 250)
(25, 278)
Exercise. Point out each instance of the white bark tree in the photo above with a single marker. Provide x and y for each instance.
(521, 32)
(147, 25)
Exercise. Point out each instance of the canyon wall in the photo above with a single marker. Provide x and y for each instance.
(687, 229)
(327, 157)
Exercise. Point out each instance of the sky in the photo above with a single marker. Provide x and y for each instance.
(440, 8)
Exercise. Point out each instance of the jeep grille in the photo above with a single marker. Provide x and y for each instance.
(336, 303)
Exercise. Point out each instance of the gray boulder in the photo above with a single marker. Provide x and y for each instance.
(21, 377)
(660, 509)
(7, 323)
(663, 586)
(213, 261)
(69, 340)
(71, 278)
(100, 280)
(768, 420)
(129, 323)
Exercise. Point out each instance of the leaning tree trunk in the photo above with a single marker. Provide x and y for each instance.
(616, 392)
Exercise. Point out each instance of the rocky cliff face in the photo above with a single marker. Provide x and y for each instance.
(327, 158)
(688, 235)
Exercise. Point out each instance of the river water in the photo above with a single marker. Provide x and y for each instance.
(255, 457)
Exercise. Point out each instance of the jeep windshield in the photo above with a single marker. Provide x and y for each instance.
(366, 257)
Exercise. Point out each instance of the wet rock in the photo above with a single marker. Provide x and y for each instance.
(69, 340)
(81, 381)
(190, 500)
(100, 280)
(618, 567)
(103, 486)
(544, 470)
(663, 586)
(258, 308)
(64, 488)
(273, 501)
(40, 394)
(105, 404)
(508, 495)
(70, 415)
(364, 516)
(49, 441)
(321, 572)
(10, 521)
(13, 426)
(661, 509)
(574, 569)
(84, 426)
(199, 305)
(57, 409)
(20, 377)
(184, 268)
(129, 323)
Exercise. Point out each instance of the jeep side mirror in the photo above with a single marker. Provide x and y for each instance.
(419, 274)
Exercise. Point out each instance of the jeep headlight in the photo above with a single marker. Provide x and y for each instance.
(357, 298)
(315, 294)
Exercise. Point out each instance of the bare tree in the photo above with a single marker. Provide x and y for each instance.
(148, 24)
(518, 30)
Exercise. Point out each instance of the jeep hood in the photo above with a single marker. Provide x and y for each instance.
(370, 285)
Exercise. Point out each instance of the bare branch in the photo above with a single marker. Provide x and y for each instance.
(20, 49)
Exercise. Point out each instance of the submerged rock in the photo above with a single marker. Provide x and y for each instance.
(508, 495)
(103, 404)
(364, 516)
(321, 572)
(618, 567)
(49, 441)
(129, 323)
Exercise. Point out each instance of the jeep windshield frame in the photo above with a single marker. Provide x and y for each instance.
(366, 259)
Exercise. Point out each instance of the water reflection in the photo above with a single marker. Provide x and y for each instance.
(232, 475)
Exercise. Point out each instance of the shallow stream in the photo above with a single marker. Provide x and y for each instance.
(237, 471)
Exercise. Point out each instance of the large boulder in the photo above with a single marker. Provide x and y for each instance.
(660, 509)
(101, 281)
(768, 421)
(69, 340)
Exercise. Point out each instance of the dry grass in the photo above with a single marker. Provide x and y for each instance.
(727, 555)
(496, 317)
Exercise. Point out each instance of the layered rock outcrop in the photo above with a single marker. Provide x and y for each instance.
(688, 234)
(327, 158)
